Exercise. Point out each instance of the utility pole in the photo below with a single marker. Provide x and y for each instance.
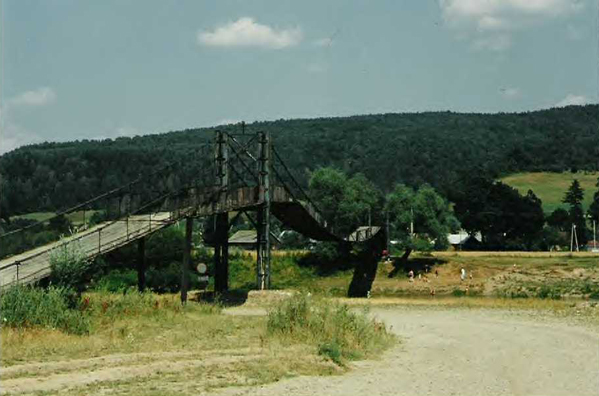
(387, 229)
(573, 238)
(411, 223)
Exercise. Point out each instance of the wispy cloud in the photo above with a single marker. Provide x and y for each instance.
(572, 100)
(490, 24)
(510, 92)
(38, 97)
(227, 121)
(246, 32)
(12, 134)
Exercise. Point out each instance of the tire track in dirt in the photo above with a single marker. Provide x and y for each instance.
(121, 367)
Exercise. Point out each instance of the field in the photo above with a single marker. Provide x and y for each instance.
(551, 187)
(76, 217)
(501, 275)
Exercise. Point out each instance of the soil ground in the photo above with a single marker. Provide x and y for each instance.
(445, 349)
(464, 352)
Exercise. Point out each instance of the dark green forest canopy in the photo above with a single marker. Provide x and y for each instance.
(440, 148)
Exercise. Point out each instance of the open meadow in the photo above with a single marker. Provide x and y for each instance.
(551, 187)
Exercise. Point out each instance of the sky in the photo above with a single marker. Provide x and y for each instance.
(75, 69)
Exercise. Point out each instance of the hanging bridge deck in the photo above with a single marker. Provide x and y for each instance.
(34, 265)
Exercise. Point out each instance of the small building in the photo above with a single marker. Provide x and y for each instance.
(248, 239)
(363, 233)
(457, 241)
(592, 246)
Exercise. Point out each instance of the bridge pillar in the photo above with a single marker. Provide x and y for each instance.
(221, 253)
(263, 231)
(365, 271)
(141, 264)
(221, 231)
(186, 259)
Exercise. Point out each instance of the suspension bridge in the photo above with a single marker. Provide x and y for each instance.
(238, 173)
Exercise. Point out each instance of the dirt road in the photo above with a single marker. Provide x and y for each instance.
(444, 351)
(464, 352)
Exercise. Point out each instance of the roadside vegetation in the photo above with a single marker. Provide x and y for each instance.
(338, 333)
(103, 332)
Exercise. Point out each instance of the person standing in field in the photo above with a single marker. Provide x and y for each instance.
(463, 274)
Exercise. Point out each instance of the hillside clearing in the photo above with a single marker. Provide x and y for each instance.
(551, 187)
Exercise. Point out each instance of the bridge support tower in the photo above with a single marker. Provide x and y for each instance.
(221, 234)
(186, 259)
(263, 229)
(141, 264)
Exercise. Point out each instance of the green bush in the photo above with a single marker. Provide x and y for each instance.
(337, 332)
(69, 266)
(55, 307)
(333, 351)
(548, 292)
(117, 281)
(168, 279)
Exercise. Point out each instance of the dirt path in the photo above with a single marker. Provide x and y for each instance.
(464, 352)
(77, 373)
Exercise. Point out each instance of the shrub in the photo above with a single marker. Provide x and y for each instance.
(117, 281)
(168, 279)
(337, 332)
(333, 351)
(69, 266)
(55, 307)
(548, 292)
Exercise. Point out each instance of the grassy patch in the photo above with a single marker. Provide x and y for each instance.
(53, 308)
(338, 333)
(76, 218)
(285, 270)
(551, 187)
(143, 339)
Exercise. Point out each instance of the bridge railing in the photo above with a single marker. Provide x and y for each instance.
(285, 178)
(114, 204)
(153, 215)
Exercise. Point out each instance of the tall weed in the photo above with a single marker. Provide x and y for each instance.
(55, 307)
(337, 332)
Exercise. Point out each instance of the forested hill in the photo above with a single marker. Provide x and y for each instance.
(439, 148)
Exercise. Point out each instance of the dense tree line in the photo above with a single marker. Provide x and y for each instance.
(441, 149)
